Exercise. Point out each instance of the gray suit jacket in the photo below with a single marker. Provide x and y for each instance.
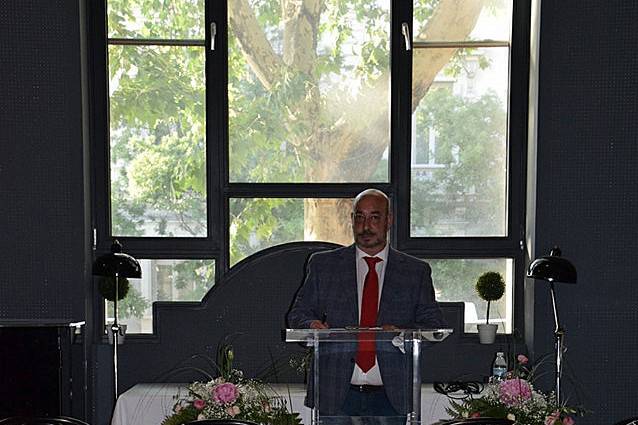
(330, 289)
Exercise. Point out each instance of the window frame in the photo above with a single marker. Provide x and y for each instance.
(220, 190)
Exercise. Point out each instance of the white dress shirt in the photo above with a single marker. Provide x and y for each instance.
(373, 376)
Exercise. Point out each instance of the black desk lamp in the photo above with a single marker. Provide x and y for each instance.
(552, 269)
(117, 265)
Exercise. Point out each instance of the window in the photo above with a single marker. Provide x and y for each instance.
(453, 281)
(308, 90)
(259, 223)
(463, 114)
(465, 181)
(162, 280)
(235, 126)
(157, 118)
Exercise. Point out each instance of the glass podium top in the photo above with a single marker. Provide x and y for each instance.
(357, 334)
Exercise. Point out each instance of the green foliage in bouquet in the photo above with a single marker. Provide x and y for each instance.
(301, 362)
(515, 398)
(186, 415)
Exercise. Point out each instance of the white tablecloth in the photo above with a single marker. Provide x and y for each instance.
(150, 404)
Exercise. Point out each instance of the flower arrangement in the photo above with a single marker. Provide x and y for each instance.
(231, 396)
(515, 398)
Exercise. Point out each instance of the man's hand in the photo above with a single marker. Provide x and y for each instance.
(318, 324)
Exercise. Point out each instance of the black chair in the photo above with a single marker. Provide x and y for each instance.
(220, 422)
(53, 420)
(480, 421)
(630, 421)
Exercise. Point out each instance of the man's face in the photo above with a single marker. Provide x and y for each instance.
(370, 224)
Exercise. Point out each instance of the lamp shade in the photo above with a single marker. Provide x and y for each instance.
(117, 263)
(552, 268)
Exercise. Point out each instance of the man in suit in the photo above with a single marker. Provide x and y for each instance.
(367, 284)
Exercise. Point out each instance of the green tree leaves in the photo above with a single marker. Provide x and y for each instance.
(470, 146)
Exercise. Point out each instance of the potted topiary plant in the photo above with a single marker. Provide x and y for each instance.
(106, 288)
(490, 286)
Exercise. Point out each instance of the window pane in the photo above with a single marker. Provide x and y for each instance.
(462, 21)
(256, 224)
(176, 19)
(157, 130)
(162, 280)
(309, 92)
(459, 147)
(454, 280)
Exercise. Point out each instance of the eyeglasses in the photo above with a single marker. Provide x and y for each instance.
(372, 218)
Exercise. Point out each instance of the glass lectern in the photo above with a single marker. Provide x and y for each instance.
(398, 354)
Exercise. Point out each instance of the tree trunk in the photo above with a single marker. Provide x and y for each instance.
(328, 220)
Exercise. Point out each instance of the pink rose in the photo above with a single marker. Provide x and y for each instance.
(199, 404)
(225, 393)
(514, 391)
(522, 359)
(568, 420)
(475, 415)
(233, 411)
(551, 419)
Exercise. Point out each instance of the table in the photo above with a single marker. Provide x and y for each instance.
(149, 404)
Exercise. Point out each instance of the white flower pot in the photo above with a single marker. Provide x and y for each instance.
(487, 333)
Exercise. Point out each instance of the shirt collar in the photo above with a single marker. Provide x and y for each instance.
(383, 254)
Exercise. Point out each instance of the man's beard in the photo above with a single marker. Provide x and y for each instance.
(373, 241)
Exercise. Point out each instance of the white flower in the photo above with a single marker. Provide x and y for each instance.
(233, 411)
(511, 417)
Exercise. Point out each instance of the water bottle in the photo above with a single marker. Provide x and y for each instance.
(499, 367)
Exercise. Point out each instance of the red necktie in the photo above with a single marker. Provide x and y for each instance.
(369, 306)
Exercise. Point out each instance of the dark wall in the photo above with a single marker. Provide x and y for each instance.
(587, 200)
(43, 218)
(42, 224)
